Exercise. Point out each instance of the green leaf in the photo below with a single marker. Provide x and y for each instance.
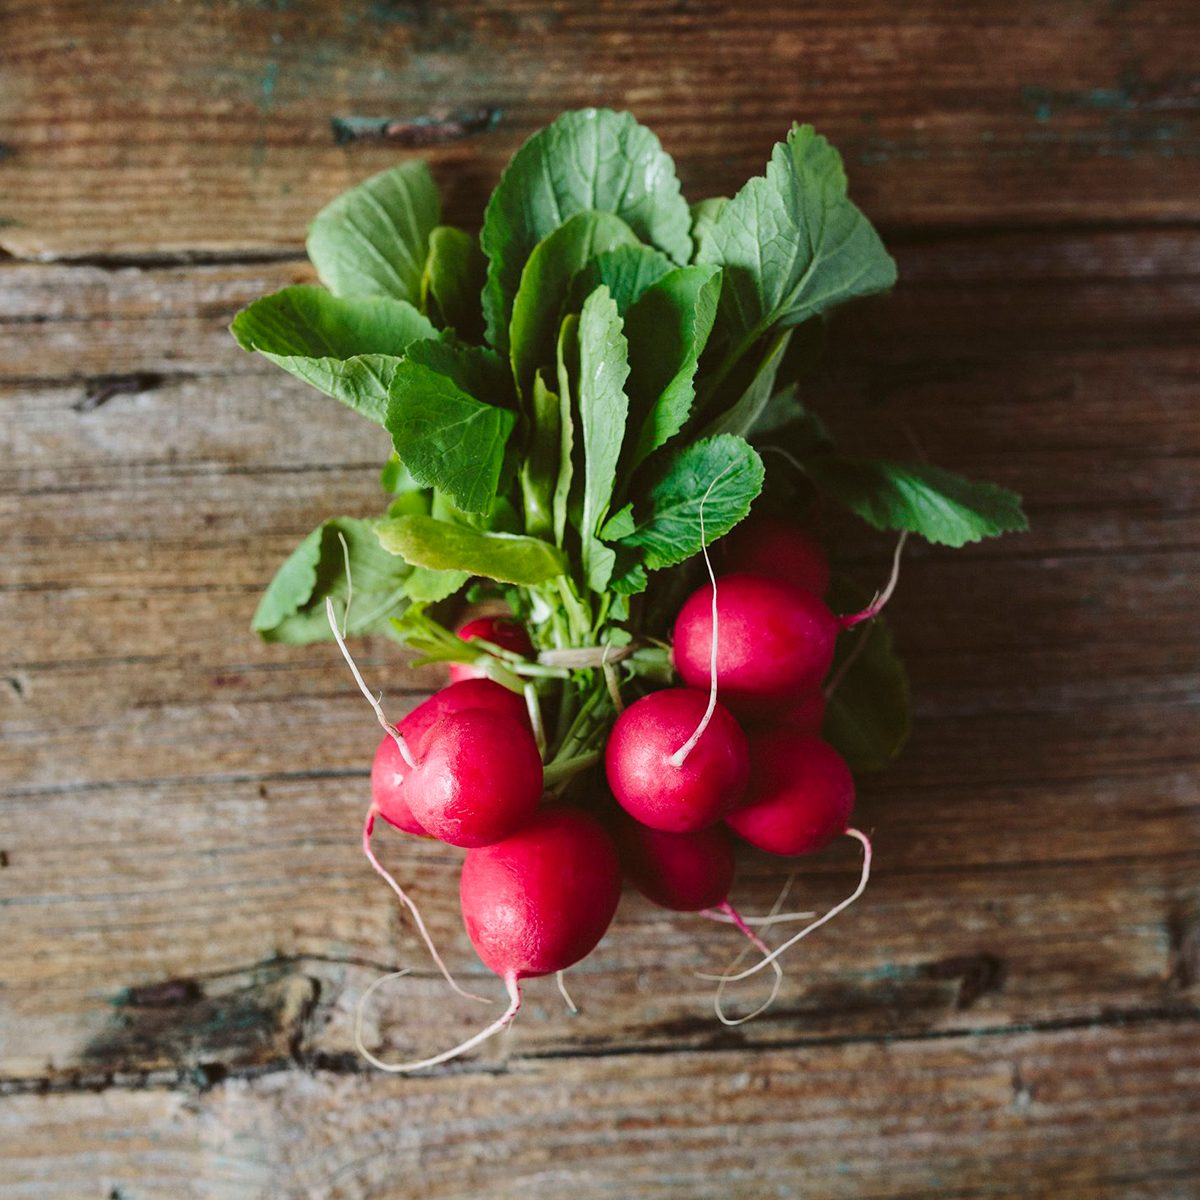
(445, 437)
(603, 409)
(539, 474)
(741, 416)
(626, 271)
(373, 240)
(792, 243)
(453, 280)
(937, 504)
(591, 159)
(293, 607)
(667, 329)
(722, 473)
(867, 718)
(567, 363)
(346, 348)
(546, 284)
(441, 546)
(428, 587)
(476, 370)
(704, 214)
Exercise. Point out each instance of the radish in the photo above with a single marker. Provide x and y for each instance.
(690, 872)
(777, 548)
(666, 777)
(685, 872)
(533, 904)
(499, 631)
(477, 778)
(389, 769)
(776, 640)
(800, 795)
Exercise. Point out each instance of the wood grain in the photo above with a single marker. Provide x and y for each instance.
(1104, 1112)
(189, 128)
(186, 923)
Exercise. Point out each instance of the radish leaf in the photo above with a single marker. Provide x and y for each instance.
(792, 243)
(453, 279)
(589, 159)
(441, 546)
(546, 284)
(373, 240)
(346, 348)
(293, 607)
(603, 408)
(724, 469)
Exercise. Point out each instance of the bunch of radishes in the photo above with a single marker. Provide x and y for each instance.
(580, 402)
(543, 870)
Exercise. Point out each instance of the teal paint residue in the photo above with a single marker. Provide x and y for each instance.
(267, 89)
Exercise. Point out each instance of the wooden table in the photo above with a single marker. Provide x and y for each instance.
(185, 919)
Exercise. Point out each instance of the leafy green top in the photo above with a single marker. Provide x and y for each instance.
(571, 393)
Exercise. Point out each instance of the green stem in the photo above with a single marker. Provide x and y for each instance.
(564, 770)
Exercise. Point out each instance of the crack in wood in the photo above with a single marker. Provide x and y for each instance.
(428, 129)
(100, 389)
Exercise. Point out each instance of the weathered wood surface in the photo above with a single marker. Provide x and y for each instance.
(185, 920)
(183, 128)
(184, 901)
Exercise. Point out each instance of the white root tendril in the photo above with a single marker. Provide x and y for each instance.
(881, 598)
(402, 896)
(349, 582)
(859, 836)
(505, 1018)
(752, 939)
(680, 756)
(388, 727)
(562, 987)
(773, 916)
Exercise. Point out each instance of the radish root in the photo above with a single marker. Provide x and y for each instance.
(368, 829)
(752, 939)
(562, 987)
(841, 906)
(388, 727)
(680, 756)
(505, 1019)
(881, 598)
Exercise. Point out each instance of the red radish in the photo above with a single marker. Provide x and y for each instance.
(642, 761)
(779, 549)
(500, 631)
(806, 716)
(477, 778)
(685, 872)
(689, 872)
(389, 768)
(533, 904)
(405, 755)
(776, 640)
(800, 795)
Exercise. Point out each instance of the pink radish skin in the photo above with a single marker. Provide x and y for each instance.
(388, 770)
(780, 550)
(539, 901)
(533, 904)
(800, 795)
(477, 779)
(500, 631)
(651, 788)
(775, 641)
(685, 872)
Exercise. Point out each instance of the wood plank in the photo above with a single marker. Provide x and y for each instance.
(992, 917)
(1011, 1115)
(208, 127)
